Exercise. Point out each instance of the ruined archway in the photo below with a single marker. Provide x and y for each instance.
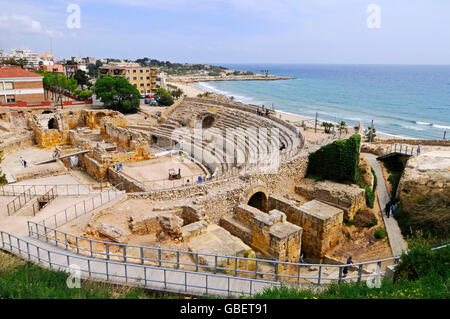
(257, 197)
(52, 124)
(208, 121)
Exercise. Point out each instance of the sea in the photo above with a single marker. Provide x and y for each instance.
(411, 101)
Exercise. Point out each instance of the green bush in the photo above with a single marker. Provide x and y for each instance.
(370, 196)
(337, 161)
(421, 261)
(380, 233)
(164, 96)
(350, 222)
(375, 180)
(372, 223)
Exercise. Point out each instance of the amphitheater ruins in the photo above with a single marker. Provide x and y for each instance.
(204, 184)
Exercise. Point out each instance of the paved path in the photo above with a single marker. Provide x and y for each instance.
(150, 277)
(398, 244)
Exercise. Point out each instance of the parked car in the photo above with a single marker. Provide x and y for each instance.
(143, 96)
(151, 101)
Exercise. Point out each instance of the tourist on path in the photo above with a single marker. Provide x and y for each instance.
(419, 149)
(387, 209)
(21, 160)
(349, 261)
(394, 207)
(25, 163)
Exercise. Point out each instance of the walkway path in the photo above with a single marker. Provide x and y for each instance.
(396, 240)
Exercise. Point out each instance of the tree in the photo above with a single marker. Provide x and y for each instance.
(369, 134)
(342, 127)
(81, 77)
(71, 84)
(85, 94)
(164, 97)
(177, 93)
(327, 126)
(118, 94)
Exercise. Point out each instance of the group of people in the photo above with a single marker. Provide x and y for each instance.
(263, 112)
(23, 162)
(390, 209)
(116, 166)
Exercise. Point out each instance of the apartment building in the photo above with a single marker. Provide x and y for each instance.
(18, 85)
(143, 78)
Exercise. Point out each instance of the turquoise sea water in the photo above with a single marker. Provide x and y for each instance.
(408, 101)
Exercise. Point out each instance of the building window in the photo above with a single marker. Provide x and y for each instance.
(148, 78)
(141, 78)
(128, 71)
(10, 99)
(9, 86)
(134, 78)
(128, 78)
(134, 71)
(1, 86)
(142, 84)
(142, 71)
(148, 84)
(147, 70)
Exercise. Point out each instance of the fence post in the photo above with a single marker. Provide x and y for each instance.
(340, 275)
(142, 255)
(196, 262)
(107, 250)
(276, 271)
(159, 257)
(320, 275)
(76, 243)
(49, 259)
(256, 269)
(124, 253)
(360, 272)
(178, 259)
(90, 246)
(65, 239)
(215, 264)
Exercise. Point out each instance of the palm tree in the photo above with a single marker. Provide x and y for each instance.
(342, 127)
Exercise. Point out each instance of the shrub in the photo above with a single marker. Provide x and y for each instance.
(337, 161)
(350, 222)
(372, 223)
(164, 97)
(370, 196)
(380, 233)
(375, 180)
(421, 261)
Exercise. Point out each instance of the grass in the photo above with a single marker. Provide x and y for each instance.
(380, 233)
(420, 274)
(24, 280)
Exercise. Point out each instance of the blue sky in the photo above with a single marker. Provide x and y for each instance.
(234, 31)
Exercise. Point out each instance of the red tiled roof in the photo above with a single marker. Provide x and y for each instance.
(16, 72)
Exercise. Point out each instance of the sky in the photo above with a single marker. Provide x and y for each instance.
(233, 31)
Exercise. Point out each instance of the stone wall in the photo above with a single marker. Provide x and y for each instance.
(268, 233)
(127, 184)
(350, 198)
(322, 225)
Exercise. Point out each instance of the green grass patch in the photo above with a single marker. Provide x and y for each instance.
(421, 274)
(350, 222)
(372, 223)
(375, 180)
(380, 233)
(24, 280)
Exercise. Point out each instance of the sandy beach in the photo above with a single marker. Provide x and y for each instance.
(191, 90)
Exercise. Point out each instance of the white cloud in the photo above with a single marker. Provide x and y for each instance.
(19, 24)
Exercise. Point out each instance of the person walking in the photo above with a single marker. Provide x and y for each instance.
(393, 208)
(349, 261)
(419, 149)
(21, 160)
(25, 163)
(387, 209)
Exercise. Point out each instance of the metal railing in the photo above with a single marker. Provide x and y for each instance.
(21, 200)
(146, 276)
(215, 263)
(60, 189)
(401, 149)
(81, 208)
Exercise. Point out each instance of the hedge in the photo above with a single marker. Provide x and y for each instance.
(337, 161)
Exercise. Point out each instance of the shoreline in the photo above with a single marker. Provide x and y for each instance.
(191, 90)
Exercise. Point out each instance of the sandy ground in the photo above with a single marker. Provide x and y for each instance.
(11, 162)
(158, 169)
(189, 89)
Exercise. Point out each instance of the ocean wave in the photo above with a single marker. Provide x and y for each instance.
(441, 126)
(423, 123)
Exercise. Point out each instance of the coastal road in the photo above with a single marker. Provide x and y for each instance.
(398, 244)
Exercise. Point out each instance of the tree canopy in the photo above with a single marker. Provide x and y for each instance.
(164, 97)
(118, 94)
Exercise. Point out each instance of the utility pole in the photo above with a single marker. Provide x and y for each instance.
(445, 133)
(315, 124)
(371, 132)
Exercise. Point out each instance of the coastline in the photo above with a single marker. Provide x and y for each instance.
(191, 90)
